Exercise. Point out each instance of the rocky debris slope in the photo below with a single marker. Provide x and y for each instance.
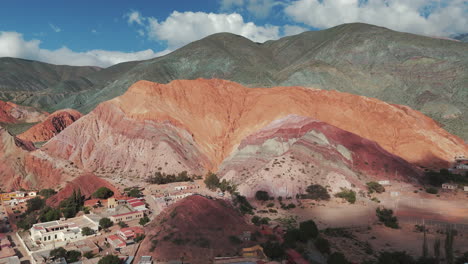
(195, 228)
(51, 126)
(294, 152)
(13, 113)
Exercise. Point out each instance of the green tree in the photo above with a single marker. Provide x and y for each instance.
(337, 258)
(317, 192)
(437, 250)
(105, 223)
(308, 230)
(425, 249)
(103, 193)
(88, 255)
(211, 181)
(397, 257)
(386, 217)
(122, 224)
(49, 214)
(262, 196)
(46, 193)
(109, 259)
(58, 253)
(449, 236)
(87, 231)
(134, 192)
(144, 220)
(273, 250)
(73, 256)
(34, 204)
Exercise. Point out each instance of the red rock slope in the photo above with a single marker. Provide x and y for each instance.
(12, 113)
(188, 123)
(195, 228)
(51, 126)
(87, 183)
(13, 152)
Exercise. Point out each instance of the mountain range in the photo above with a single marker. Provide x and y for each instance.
(427, 74)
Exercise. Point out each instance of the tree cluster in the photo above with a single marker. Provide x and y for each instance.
(163, 178)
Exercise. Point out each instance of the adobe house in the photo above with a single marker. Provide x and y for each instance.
(449, 186)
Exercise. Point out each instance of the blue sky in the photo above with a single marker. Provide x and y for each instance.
(103, 33)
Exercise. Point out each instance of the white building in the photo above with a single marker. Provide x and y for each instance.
(384, 182)
(32, 193)
(465, 188)
(180, 188)
(20, 194)
(449, 186)
(66, 230)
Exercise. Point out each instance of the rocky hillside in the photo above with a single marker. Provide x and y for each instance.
(427, 74)
(51, 126)
(11, 113)
(205, 125)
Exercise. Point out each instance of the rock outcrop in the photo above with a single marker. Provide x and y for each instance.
(51, 126)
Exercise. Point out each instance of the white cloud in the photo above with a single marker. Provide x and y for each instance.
(94, 31)
(55, 28)
(182, 28)
(444, 18)
(293, 30)
(12, 44)
(134, 17)
(228, 4)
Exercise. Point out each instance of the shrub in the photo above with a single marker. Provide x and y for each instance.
(386, 217)
(244, 206)
(432, 190)
(273, 250)
(375, 187)
(103, 193)
(134, 192)
(322, 245)
(270, 205)
(139, 238)
(395, 257)
(58, 253)
(337, 258)
(348, 195)
(262, 196)
(316, 192)
(122, 224)
(88, 255)
(73, 256)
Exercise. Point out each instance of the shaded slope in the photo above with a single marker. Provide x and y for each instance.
(195, 228)
(195, 125)
(54, 124)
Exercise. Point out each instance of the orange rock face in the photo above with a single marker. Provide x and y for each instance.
(51, 126)
(219, 114)
(13, 113)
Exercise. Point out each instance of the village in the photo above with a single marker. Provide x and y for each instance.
(114, 225)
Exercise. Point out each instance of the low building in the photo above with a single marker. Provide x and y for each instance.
(145, 260)
(135, 215)
(116, 241)
(465, 188)
(10, 260)
(449, 186)
(384, 182)
(32, 193)
(6, 253)
(5, 243)
(84, 246)
(130, 233)
(62, 230)
(137, 204)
